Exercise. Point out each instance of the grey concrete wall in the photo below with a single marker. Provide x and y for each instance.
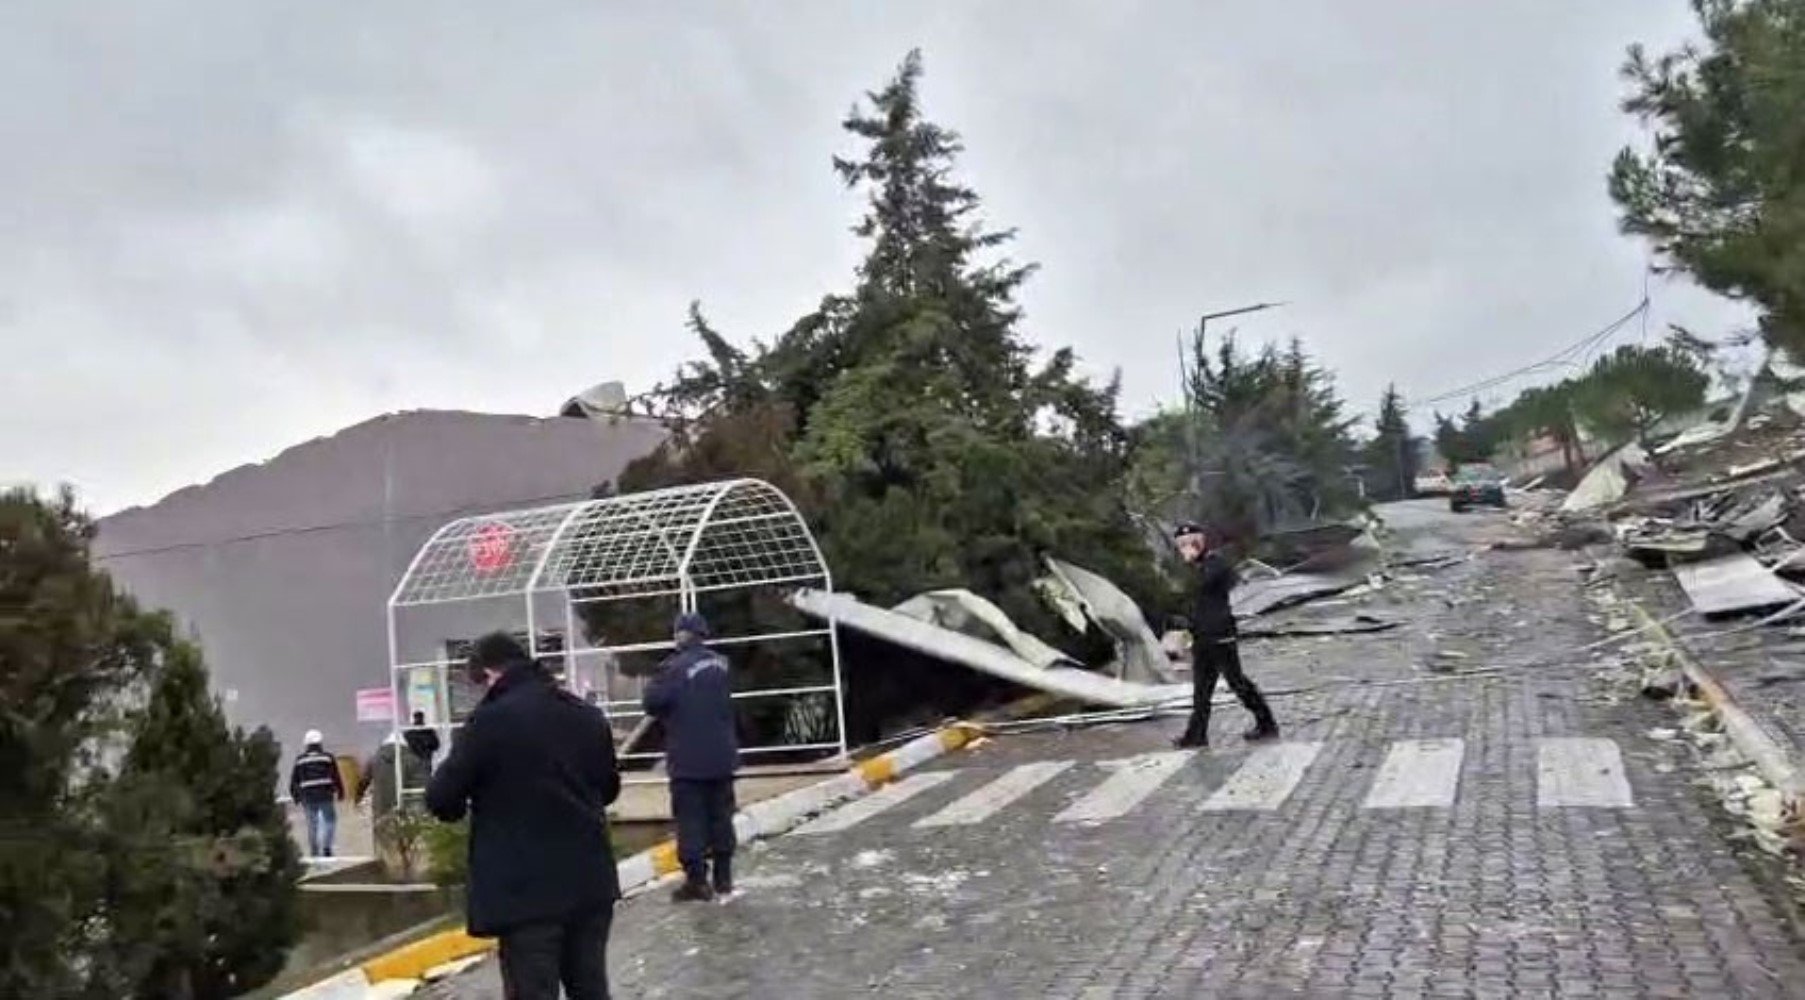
(282, 569)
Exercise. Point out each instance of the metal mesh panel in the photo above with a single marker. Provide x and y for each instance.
(711, 536)
(488, 556)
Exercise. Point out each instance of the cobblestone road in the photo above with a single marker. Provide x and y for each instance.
(1350, 861)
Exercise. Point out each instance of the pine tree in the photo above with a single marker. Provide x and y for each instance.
(202, 870)
(1260, 444)
(71, 647)
(142, 852)
(1629, 390)
(1719, 192)
(928, 448)
(1391, 455)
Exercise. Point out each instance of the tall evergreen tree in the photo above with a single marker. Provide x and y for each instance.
(929, 449)
(143, 854)
(1719, 191)
(1391, 454)
(201, 866)
(67, 651)
(1260, 443)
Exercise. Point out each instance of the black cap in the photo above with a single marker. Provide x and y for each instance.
(1187, 528)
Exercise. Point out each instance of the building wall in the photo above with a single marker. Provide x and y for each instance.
(282, 570)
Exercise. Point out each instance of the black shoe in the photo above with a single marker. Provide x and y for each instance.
(723, 877)
(1190, 743)
(1262, 734)
(692, 892)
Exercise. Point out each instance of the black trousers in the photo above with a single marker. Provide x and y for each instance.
(536, 957)
(1213, 657)
(704, 814)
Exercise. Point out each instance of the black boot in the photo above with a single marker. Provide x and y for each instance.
(1196, 734)
(1262, 732)
(695, 885)
(723, 876)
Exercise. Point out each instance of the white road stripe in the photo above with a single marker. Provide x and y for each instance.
(1265, 779)
(1581, 772)
(1417, 774)
(983, 803)
(1134, 779)
(860, 810)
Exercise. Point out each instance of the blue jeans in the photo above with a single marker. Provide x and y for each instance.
(322, 822)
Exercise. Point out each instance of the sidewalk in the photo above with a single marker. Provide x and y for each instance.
(1420, 833)
(1762, 670)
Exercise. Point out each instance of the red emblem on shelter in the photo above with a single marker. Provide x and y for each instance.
(492, 547)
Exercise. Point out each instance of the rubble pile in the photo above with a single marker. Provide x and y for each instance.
(1721, 506)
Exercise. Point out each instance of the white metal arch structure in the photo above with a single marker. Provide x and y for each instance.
(674, 546)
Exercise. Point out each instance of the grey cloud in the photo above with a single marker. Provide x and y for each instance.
(230, 226)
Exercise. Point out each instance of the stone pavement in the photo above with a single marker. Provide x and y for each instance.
(1356, 859)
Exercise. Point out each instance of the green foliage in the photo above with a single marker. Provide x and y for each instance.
(1546, 411)
(73, 643)
(1261, 443)
(447, 847)
(1473, 439)
(906, 416)
(1391, 455)
(1630, 390)
(404, 837)
(202, 898)
(1719, 192)
(143, 854)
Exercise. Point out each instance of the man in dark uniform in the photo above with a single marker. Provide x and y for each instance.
(693, 696)
(535, 769)
(422, 739)
(1215, 650)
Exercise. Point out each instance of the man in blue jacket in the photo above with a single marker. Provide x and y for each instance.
(534, 767)
(693, 696)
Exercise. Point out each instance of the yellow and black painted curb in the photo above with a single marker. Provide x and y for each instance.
(763, 819)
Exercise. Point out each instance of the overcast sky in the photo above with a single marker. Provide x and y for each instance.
(232, 226)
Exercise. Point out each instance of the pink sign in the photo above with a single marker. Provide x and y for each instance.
(375, 705)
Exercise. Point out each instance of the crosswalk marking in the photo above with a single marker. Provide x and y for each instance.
(1417, 774)
(983, 803)
(1265, 779)
(860, 810)
(1581, 772)
(1413, 774)
(1134, 779)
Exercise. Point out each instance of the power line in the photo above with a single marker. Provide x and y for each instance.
(1575, 353)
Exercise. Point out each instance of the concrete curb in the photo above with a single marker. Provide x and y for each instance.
(1771, 759)
(760, 820)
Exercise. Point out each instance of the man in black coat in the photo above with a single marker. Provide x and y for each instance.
(693, 696)
(1215, 646)
(535, 769)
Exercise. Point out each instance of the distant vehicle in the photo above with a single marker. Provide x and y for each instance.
(1433, 484)
(1476, 486)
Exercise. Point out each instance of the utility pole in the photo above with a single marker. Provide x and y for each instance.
(1203, 323)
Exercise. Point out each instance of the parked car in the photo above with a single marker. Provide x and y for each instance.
(1476, 486)
(1433, 484)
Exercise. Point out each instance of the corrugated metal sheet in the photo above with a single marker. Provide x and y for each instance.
(1732, 583)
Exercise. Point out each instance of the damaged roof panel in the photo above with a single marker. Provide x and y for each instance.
(1732, 583)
